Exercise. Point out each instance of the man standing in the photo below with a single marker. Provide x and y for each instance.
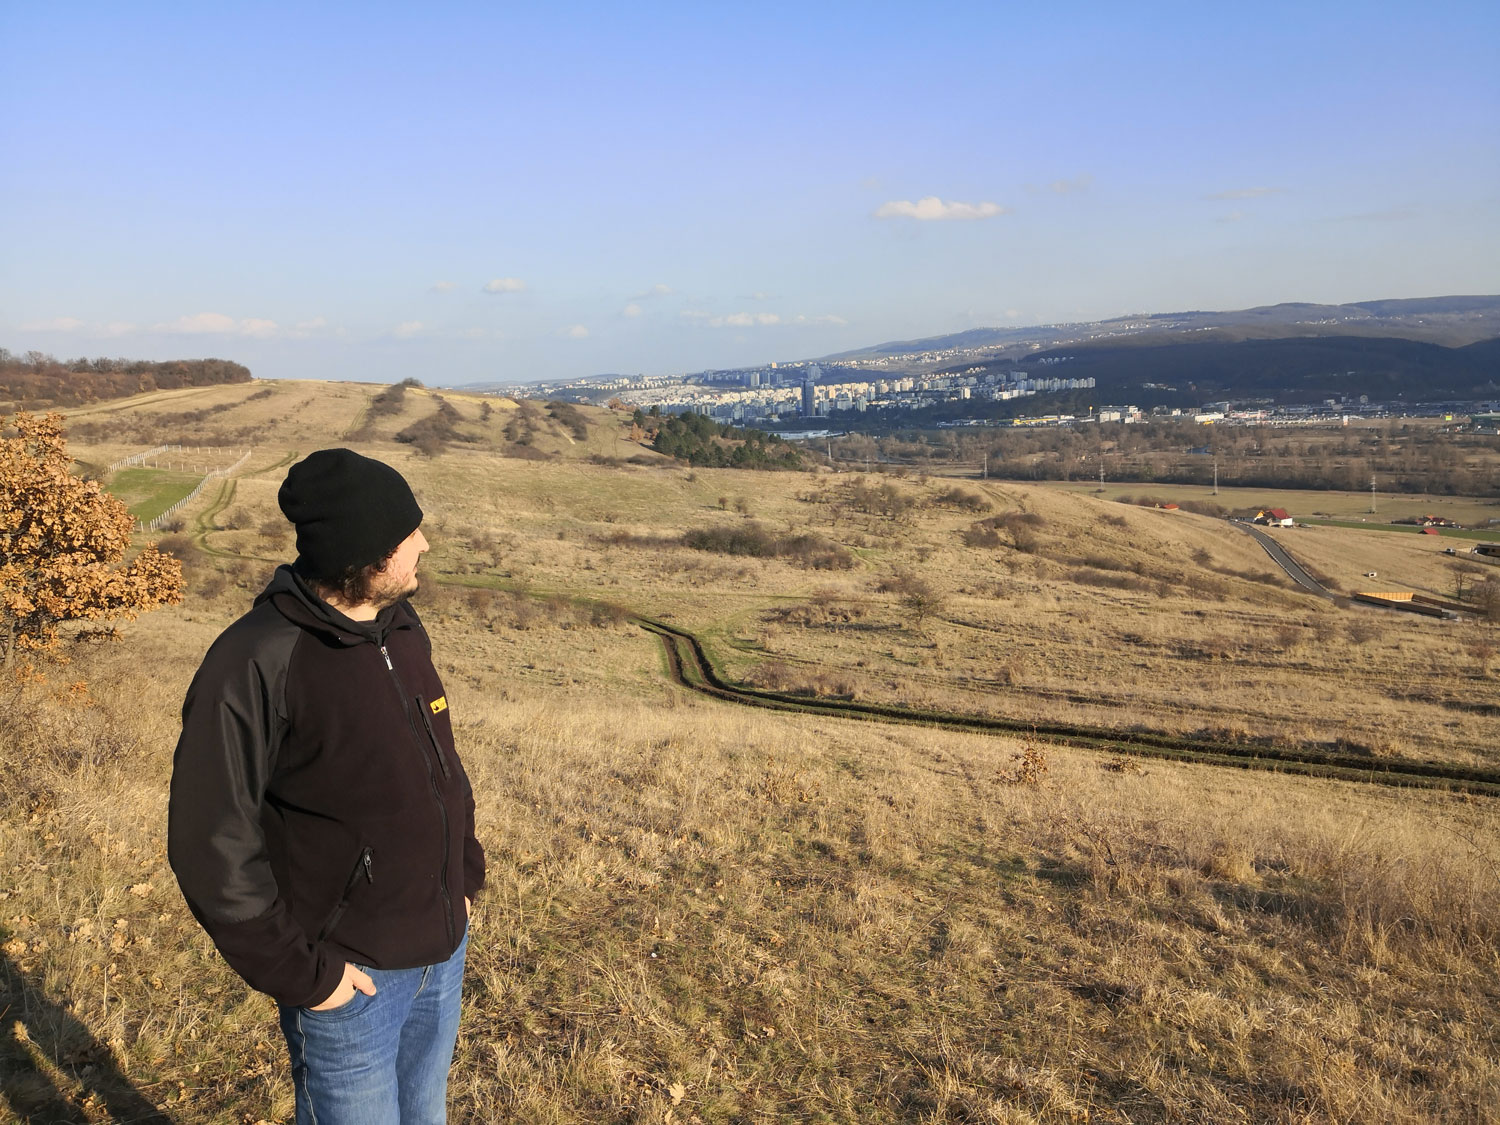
(320, 825)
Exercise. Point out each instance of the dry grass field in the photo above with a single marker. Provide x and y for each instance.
(700, 912)
(1468, 510)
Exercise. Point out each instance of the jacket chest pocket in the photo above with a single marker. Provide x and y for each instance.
(364, 869)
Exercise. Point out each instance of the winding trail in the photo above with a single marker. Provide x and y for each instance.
(688, 666)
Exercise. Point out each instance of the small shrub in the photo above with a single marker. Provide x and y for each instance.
(178, 546)
(1031, 766)
(963, 499)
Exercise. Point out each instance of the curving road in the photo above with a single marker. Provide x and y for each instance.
(1285, 561)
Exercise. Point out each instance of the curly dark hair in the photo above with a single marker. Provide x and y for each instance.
(354, 585)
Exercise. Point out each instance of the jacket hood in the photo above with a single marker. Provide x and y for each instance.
(296, 601)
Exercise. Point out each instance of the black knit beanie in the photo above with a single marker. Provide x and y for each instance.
(349, 511)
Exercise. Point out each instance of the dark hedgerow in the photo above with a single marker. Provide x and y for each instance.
(757, 541)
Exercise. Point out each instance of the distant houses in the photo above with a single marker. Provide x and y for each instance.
(1427, 521)
(1274, 517)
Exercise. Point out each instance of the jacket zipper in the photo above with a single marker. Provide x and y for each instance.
(437, 795)
(361, 867)
(424, 711)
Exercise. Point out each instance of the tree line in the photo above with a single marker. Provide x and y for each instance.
(704, 443)
(37, 379)
(1404, 457)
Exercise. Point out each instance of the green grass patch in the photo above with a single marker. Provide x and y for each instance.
(150, 492)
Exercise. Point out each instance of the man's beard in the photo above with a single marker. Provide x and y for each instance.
(385, 598)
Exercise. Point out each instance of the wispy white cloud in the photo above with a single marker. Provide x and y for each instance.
(933, 209)
(1395, 215)
(632, 309)
(1232, 217)
(578, 332)
(56, 324)
(760, 295)
(407, 329)
(309, 327)
(733, 320)
(217, 324)
(1068, 187)
(657, 290)
(444, 286)
(756, 319)
(199, 324)
(504, 285)
(1245, 193)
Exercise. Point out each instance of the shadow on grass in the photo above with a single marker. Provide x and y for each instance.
(52, 1068)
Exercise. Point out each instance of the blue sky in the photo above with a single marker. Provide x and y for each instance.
(468, 192)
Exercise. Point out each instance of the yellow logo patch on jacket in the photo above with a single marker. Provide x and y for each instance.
(439, 704)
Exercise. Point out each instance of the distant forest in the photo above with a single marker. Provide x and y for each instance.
(37, 380)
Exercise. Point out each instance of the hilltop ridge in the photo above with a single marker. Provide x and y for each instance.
(1452, 321)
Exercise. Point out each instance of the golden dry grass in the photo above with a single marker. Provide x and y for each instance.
(697, 911)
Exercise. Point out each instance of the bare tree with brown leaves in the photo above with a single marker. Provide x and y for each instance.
(62, 542)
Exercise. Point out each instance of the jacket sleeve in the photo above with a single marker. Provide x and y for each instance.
(473, 850)
(232, 724)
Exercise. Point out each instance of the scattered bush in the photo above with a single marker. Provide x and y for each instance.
(963, 499)
(884, 499)
(431, 434)
(756, 541)
(1086, 576)
(567, 415)
(389, 401)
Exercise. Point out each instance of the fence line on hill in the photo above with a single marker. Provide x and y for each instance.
(214, 474)
(137, 458)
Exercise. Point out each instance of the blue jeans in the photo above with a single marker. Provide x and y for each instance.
(382, 1059)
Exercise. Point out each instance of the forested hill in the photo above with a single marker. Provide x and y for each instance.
(35, 380)
(1305, 369)
(1451, 321)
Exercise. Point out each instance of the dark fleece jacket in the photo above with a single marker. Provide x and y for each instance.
(319, 813)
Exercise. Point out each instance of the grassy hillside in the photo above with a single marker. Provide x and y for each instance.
(702, 912)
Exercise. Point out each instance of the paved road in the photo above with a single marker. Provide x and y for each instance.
(1285, 561)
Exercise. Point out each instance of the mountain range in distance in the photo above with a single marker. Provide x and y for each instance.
(1446, 321)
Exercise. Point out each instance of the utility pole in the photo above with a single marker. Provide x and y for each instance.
(1216, 476)
(986, 465)
(1372, 493)
(1101, 472)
